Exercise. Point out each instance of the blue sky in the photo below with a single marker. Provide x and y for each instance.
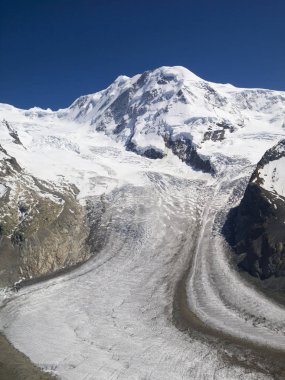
(52, 51)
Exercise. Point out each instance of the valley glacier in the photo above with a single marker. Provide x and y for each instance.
(159, 160)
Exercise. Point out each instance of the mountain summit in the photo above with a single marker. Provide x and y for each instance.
(171, 108)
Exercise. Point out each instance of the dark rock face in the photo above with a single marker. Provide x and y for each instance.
(186, 151)
(149, 153)
(183, 148)
(257, 225)
(219, 133)
(260, 233)
(12, 133)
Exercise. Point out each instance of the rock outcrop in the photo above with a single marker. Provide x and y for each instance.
(259, 221)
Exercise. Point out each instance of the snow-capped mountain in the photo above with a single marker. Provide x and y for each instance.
(141, 176)
(162, 114)
(173, 109)
(260, 220)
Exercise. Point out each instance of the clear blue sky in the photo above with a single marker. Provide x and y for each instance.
(52, 51)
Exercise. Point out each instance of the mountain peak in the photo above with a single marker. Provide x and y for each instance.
(177, 72)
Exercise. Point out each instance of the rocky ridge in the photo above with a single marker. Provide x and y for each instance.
(259, 221)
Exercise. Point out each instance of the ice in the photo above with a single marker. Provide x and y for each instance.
(3, 190)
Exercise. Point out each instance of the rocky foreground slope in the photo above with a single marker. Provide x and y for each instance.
(259, 223)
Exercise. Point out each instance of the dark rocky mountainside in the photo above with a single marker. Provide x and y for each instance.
(259, 220)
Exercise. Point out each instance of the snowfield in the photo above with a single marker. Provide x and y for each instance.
(2, 190)
(274, 179)
(117, 316)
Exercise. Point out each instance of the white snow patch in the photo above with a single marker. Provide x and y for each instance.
(273, 176)
(3, 190)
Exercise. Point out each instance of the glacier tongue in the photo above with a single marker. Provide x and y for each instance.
(114, 315)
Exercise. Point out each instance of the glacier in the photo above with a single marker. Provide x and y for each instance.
(166, 154)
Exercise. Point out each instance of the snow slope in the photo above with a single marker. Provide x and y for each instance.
(114, 317)
(172, 103)
(151, 110)
(272, 174)
(274, 179)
